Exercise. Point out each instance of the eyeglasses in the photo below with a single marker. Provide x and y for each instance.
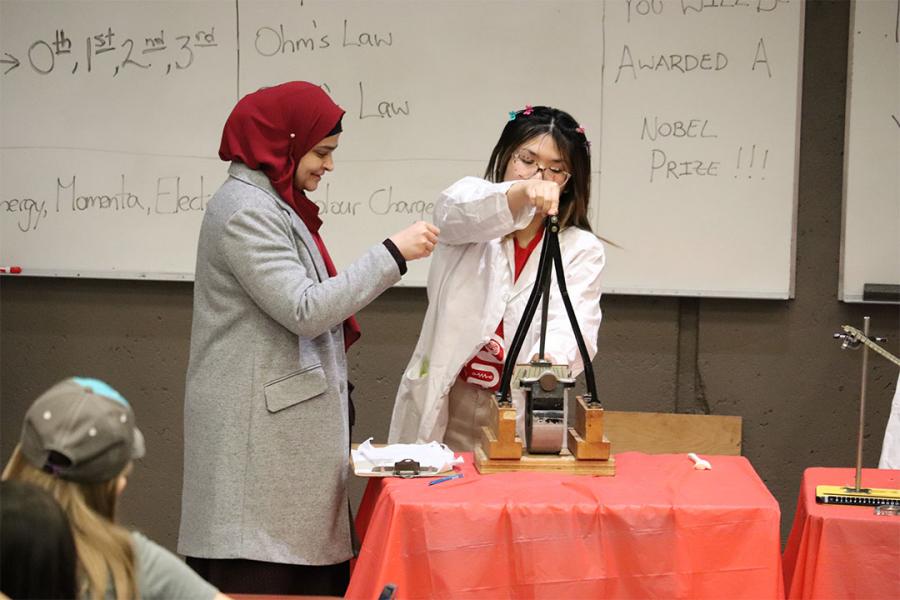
(528, 167)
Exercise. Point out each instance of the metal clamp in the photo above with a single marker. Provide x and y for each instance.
(406, 468)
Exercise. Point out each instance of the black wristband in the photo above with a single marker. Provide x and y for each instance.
(395, 252)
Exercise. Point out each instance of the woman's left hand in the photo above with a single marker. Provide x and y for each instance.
(416, 241)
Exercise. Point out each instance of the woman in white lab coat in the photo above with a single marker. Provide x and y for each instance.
(483, 272)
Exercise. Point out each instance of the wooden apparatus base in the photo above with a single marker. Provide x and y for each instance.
(501, 450)
(563, 462)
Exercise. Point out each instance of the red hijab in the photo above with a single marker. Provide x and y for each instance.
(270, 130)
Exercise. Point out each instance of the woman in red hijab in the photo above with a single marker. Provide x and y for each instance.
(267, 418)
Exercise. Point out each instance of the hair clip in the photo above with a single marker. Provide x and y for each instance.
(528, 110)
(580, 129)
(512, 115)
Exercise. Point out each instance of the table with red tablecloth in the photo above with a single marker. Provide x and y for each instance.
(837, 551)
(658, 528)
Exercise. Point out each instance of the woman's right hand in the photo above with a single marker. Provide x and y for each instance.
(540, 193)
(416, 241)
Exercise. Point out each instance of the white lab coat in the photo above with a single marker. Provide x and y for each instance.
(890, 448)
(470, 288)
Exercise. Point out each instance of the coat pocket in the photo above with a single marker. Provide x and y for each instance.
(294, 388)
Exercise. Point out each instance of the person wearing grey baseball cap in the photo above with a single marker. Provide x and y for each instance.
(81, 430)
(78, 441)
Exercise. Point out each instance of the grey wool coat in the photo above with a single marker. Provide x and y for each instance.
(266, 434)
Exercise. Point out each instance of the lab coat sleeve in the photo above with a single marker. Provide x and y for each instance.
(890, 447)
(582, 267)
(474, 210)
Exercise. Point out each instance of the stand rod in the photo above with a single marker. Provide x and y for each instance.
(862, 407)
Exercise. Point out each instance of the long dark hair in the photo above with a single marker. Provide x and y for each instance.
(573, 145)
(38, 553)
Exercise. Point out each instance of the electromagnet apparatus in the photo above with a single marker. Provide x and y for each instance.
(549, 443)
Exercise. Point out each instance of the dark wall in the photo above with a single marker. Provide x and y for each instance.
(771, 362)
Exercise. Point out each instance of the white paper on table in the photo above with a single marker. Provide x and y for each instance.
(433, 454)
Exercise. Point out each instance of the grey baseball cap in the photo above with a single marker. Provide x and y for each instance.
(81, 430)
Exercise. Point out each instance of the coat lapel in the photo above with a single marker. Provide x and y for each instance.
(259, 179)
(307, 240)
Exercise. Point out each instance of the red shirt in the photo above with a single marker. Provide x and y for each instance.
(486, 367)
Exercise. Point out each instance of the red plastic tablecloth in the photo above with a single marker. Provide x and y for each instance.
(842, 551)
(658, 528)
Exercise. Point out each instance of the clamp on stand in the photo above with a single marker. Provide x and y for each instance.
(545, 385)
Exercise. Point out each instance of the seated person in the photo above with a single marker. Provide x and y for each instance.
(35, 566)
(78, 441)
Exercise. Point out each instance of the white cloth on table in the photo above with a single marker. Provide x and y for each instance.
(432, 455)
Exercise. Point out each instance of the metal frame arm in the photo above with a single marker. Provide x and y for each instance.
(550, 255)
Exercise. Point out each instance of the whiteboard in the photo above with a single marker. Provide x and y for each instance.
(110, 124)
(870, 240)
(699, 152)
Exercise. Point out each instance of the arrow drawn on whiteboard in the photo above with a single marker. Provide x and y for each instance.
(14, 62)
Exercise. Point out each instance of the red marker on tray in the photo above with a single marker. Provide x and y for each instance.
(11, 270)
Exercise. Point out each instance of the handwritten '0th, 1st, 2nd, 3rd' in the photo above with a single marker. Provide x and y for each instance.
(110, 51)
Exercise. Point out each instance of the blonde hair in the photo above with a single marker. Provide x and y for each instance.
(104, 549)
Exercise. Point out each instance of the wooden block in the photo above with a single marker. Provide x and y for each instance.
(667, 433)
(562, 463)
(588, 421)
(498, 449)
(585, 450)
(503, 419)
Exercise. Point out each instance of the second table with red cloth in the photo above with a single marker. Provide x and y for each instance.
(658, 528)
(838, 551)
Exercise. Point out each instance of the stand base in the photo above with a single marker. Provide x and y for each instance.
(836, 494)
(556, 463)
